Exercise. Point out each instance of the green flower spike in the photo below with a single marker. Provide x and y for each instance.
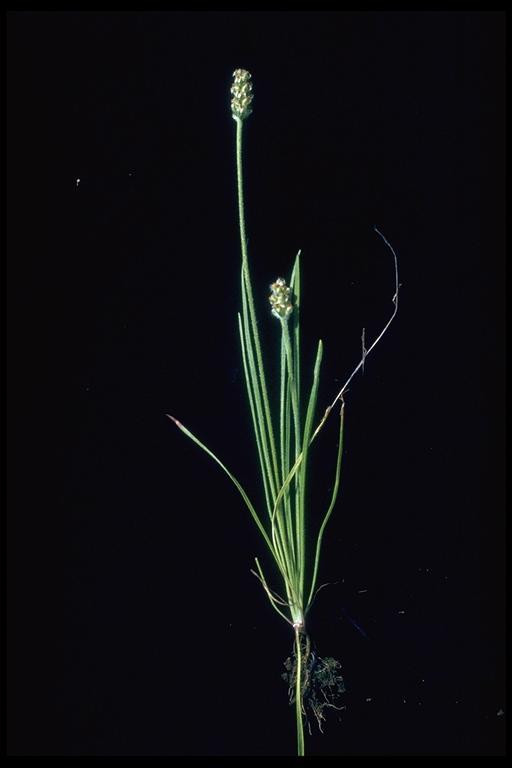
(280, 299)
(242, 94)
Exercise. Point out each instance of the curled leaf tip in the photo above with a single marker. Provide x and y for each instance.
(178, 423)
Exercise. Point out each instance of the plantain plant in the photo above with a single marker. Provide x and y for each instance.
(284, 435)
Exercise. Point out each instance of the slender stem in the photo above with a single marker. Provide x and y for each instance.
(292, 388)
(298, 693)
(253, 406)
(253, 389)
(284, 441)
(240, 187)
(295, 284)
(246, 286)
(292, 378)
(302, 472)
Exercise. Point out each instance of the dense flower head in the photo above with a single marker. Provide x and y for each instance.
(280, 298)
(241, 91)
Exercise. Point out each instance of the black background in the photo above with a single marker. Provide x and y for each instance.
(134, 625)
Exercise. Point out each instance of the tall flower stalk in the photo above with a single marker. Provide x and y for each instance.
(283, 436)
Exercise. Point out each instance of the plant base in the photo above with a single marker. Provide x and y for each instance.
(321, 686)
